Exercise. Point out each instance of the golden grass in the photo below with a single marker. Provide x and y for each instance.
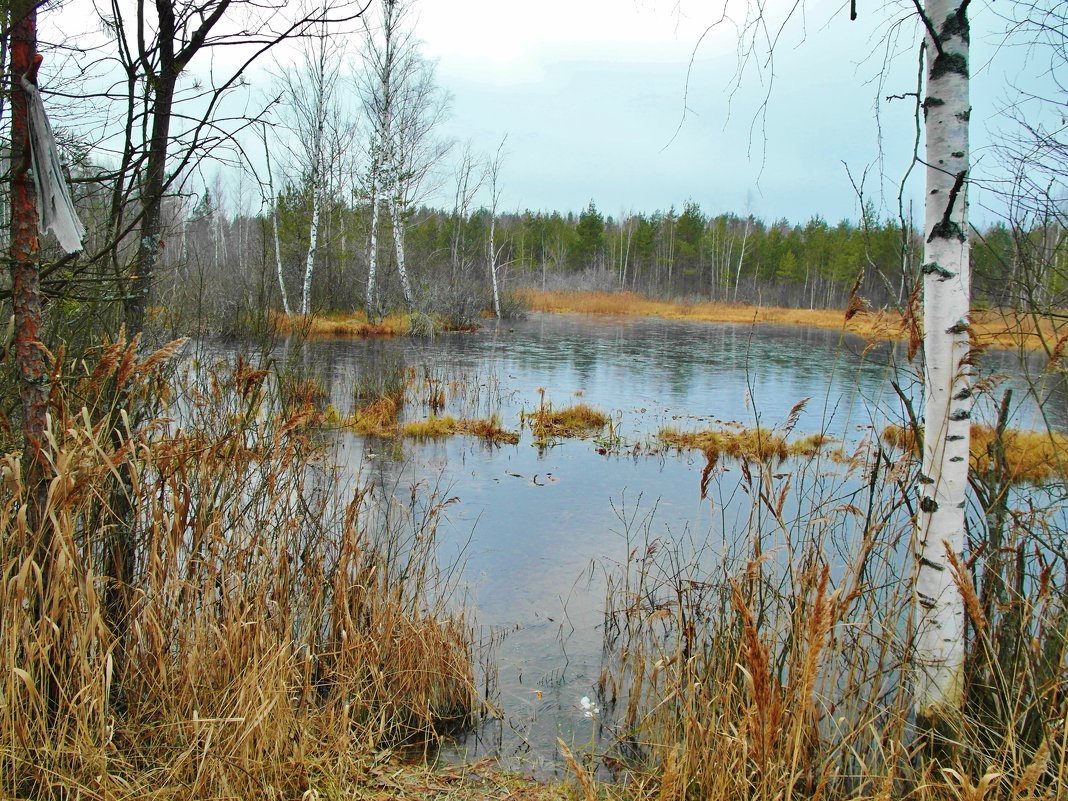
(436, 427)
(377, 418)
(267, 642)
(1031, 457)
(577, 420)
(992, 328)
(750, 443)
(339, 326)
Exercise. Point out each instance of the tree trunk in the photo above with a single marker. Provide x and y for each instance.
(31, 365)
(372, 256)
(493, 265)
(398, 240)
(313, 243)
(151, 244)
(939, 645)
(274, 226)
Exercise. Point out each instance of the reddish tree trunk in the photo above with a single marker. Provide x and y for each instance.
(30, 361)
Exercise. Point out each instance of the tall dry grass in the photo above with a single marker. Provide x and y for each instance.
(775, 664)
(992, 328)
(276, 638)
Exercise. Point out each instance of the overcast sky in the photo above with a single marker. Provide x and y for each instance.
(592, 92)
(638, 104)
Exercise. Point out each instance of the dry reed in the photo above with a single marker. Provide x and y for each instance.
(995, 328)
(275, 639)
(1033, 457)
(773, 665)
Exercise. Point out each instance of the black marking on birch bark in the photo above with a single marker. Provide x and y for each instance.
(948, 64)
(947, 228)
(954, 438)
(925, 562)
(928, 505)
(925, 479)
(964, 394)
(960, 414)
(930, 103)
(956, 458)
(956, 24)
(961, 505)
(963, 116)
(957, 154)
(959, 327)
(932, 268)
(925, 601)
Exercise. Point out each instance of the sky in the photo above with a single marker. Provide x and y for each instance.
(641, 105)
(628, 102)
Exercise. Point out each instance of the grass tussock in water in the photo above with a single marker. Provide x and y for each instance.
(435, 427)
(200, 614)
(748, 443)
(578, 420)
(1032, 457)
(351, 326)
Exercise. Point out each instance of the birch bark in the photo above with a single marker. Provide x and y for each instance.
(274, 228)
(939, 646)
(397, 219)
(371, 300)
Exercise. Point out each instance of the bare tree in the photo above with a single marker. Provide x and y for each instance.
(494, 175)
(404, 105)
(309, 94)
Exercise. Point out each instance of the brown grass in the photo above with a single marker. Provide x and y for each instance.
(766, 667)
(750, 443)
(377, 418)
(267, 647)
(1033, 457)
(435, 427)
(993, 328)
(578, 420)
(338, 326)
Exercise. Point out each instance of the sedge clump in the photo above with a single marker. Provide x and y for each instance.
(757, 444)
(578, 420)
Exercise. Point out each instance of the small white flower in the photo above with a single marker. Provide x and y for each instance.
(589, 709)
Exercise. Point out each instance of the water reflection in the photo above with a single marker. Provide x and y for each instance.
(533, 525)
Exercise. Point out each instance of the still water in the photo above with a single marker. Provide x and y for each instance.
(534, 529)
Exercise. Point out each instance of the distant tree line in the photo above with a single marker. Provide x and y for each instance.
(223, 266)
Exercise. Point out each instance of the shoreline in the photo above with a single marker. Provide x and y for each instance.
(991, 328)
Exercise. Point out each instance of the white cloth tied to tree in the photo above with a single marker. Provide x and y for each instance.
(55, 208)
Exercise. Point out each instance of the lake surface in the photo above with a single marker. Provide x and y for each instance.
(534, 529)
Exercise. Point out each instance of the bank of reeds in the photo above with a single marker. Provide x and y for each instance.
(993, 328)
(198, 614)
(1033, 457)
(775, 663)
(341, 326)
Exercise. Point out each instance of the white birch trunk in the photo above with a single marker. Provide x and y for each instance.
(313, 242)
(939, 607)
(493, 265)
(398, 240)
(372, 256)
(741, 258)
(274, 227)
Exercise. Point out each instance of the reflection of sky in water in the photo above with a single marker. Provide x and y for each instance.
(530, 526)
